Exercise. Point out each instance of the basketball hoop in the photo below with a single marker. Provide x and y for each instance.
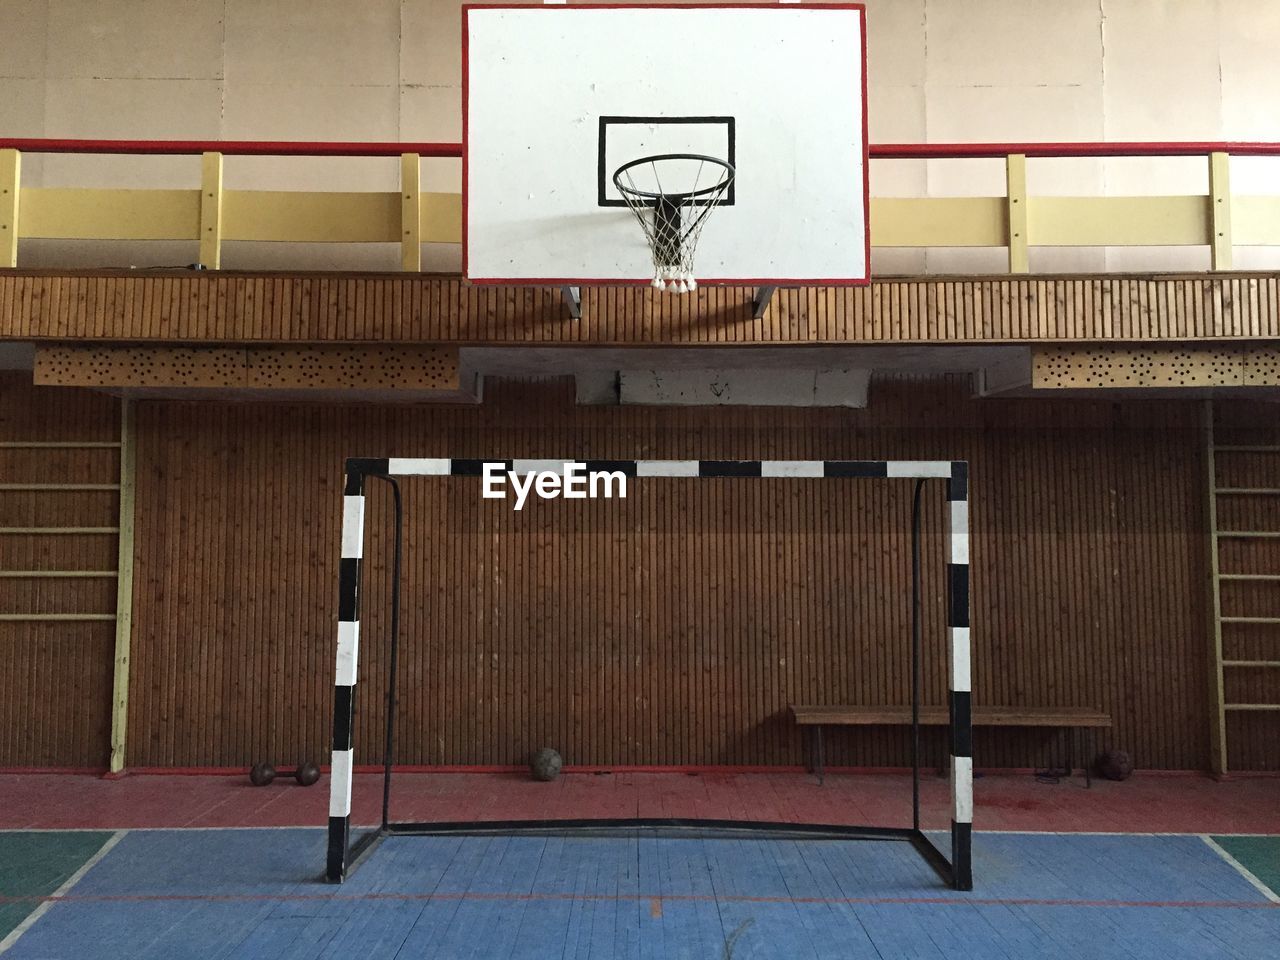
(672, 219)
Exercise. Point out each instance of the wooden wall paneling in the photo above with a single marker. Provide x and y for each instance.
(1186, 321)
(160, 306)
(1221, 307)
(11, 301)
(187, 635)
(234, 469)
(194, 705)
(42, 318)
(54, 685)
(1176, 321)
(292, 308)
(22, 301)
(1204, 308)
(158, 663)
(255, 490)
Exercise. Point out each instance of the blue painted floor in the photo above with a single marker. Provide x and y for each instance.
(253, 894)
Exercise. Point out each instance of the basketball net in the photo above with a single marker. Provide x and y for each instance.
(672, 221)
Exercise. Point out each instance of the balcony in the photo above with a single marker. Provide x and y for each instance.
(204, 302)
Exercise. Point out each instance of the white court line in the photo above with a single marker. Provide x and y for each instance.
(1116, 833)
(1244, 871)
(71, 881)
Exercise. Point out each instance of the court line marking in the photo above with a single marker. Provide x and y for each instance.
(46, 903)
(567, 897)
(1244, 871)
(1118, 833)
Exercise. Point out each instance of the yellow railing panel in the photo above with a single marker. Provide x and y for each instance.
(410, 217)
(294, 216)
(938, 222)
(441, 217)
(68, 213)
(1255, 221)
(1118, 221)
(10, 184)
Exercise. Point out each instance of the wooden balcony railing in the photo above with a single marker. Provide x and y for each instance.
(1016, 220)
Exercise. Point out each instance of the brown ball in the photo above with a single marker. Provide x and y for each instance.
(1114, 765)
(308, 773)
(545, 765)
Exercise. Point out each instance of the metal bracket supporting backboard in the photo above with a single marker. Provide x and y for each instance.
(573, 300)
(760, 302)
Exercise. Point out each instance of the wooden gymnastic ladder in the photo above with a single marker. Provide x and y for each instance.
(1244, 485)
(35, 460)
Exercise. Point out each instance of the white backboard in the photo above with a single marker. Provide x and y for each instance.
(556, 98)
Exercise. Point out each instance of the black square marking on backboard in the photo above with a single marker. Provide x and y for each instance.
(605, 176)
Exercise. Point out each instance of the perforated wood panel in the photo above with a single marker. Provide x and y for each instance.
(376, 368)
(372, 368)
(99, 366)
(1262, 366)
(1111, 368)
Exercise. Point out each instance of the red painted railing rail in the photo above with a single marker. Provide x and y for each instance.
(961, 151)
(232, 148)
(881, 151)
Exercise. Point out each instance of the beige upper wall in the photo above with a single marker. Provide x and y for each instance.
(939, 70)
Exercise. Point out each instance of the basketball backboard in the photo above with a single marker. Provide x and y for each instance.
(557, 98)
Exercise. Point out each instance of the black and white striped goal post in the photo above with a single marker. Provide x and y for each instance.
(956, 869)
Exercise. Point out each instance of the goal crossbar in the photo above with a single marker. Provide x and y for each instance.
(957, 869)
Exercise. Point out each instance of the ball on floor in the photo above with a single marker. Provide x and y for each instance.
(545, 765)
(1114, 765)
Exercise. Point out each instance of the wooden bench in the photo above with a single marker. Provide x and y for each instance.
(818, 717)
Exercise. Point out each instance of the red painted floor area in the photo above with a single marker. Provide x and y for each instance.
(1143, 804)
